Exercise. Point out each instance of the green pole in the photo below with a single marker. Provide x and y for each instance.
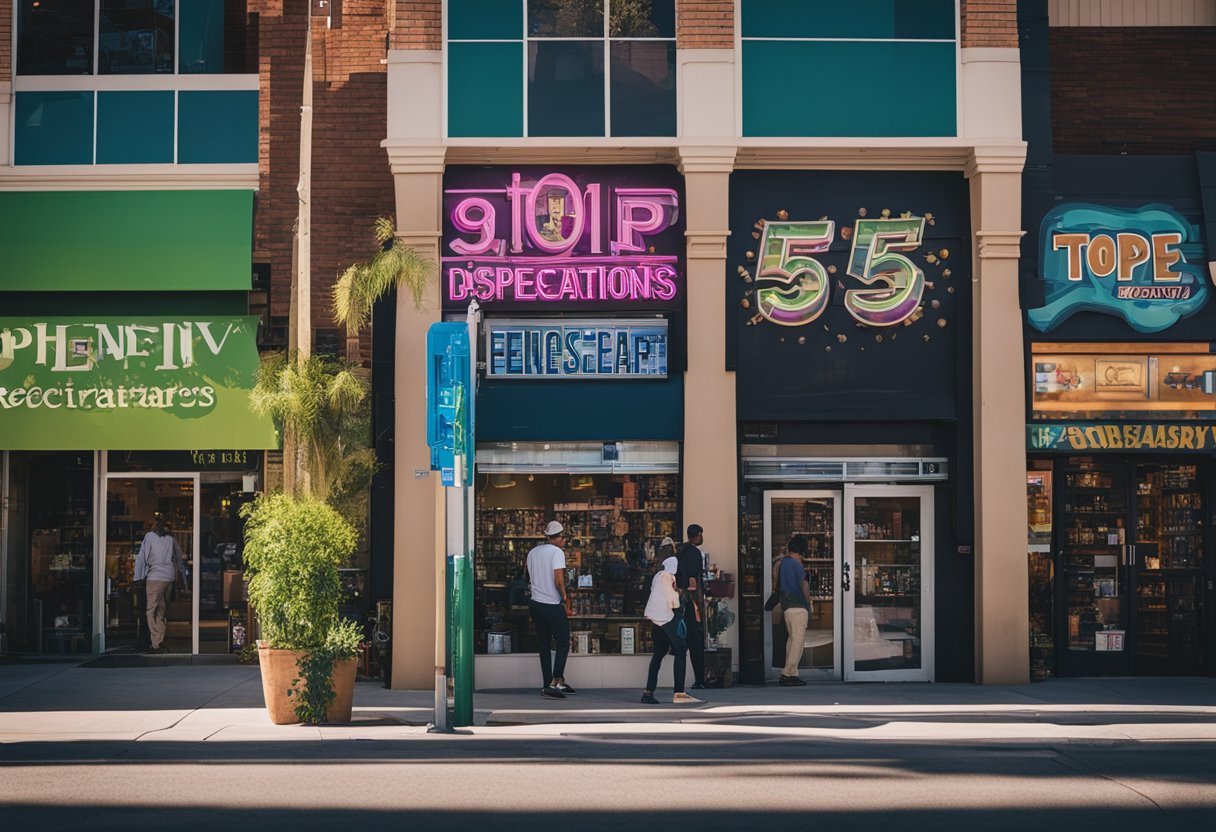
(461, 642)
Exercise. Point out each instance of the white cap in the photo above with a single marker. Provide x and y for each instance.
(554, 529)
(667, 541)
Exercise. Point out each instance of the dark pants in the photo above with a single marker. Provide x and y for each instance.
(667, 640)
(696, 644)
(551, 623)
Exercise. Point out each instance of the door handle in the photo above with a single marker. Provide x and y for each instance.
(846, 582)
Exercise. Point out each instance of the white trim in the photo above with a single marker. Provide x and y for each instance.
(858, 40)
(607, 70)
(101, 518)
(162, 177)
(134, 83)
(1131, 13)
(4, 531)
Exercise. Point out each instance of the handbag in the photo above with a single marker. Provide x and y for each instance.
(681, 628)
(774, 599)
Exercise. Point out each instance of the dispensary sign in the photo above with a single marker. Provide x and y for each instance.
(1138, 265)
(1133, 436)
(576, 349)
(129, 383)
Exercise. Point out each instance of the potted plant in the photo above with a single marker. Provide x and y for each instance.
(293, 548)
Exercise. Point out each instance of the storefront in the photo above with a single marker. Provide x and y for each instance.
(1121, 381)
(579, 274)
(850, 336)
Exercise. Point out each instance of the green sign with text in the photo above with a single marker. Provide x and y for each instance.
(137, 383)
(1129, 436)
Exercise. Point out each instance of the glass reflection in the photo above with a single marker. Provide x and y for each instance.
(135, 37)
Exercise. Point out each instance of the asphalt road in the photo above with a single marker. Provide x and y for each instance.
(753, 777)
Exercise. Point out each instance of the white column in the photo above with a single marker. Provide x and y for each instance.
(6, 102)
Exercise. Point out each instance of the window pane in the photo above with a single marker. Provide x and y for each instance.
(485, 89)
(566, 88)
(566, 18)
(134, 128)
(213, 38)
(136, 36)
(642, 18)
(643, 88)
(54, 128)
(55, 37)
(217, 127)
(485, 20)
(897, 19)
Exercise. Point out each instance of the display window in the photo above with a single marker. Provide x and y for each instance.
(614, 525)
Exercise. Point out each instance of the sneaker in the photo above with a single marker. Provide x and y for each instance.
(552, 693)
(566, 689)
(648, 699)
(698, 686)
(792, 681)
(685, 699)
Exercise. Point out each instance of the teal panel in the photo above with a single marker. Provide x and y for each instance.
(485, 20)
(903, 19)
(125, 241)
(485, 89)
(891, 88)
(200, 37)
(54, 128)
(217, 127)
(134, 128)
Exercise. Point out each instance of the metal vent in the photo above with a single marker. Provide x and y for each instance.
(801, 469)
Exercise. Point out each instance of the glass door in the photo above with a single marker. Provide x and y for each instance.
(134, 504)
(223, 610)
(816, 516)
(1093, 561)
(888, 583)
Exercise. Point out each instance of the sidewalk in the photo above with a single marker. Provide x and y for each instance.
(64, 702)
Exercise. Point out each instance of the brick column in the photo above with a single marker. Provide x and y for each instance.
(416, 24)
(705, 24)
(989, 23)
(6, 75)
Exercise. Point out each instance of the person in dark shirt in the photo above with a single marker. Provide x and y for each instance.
(689, 576)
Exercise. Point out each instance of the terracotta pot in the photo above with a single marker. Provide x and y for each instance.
(279, 667)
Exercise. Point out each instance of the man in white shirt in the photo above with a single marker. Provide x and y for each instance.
(159, 563)
(547, 575)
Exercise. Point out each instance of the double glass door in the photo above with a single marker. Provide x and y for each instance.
(1130, 558)
(870, 567)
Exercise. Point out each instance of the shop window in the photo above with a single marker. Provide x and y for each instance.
(134, 127)
(582, 72)
(212, 38)
(55, 37)
(871, 46)
(135, 37)
(54, 128)
(217, 127)
(613, 522)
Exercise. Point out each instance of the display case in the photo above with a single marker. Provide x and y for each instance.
(1094, 520)
(1040, 573)
(887, 557)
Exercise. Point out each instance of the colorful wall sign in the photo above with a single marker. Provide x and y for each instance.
(576, 349)
(129, 384)
(1137, 265)
(576, 238)
(1133, 436)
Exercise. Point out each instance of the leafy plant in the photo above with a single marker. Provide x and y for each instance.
(316, 694)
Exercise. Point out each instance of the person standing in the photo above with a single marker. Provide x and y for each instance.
(661, 610)
(791, 580)
(159, 564)
(547, 577)
(689, 576)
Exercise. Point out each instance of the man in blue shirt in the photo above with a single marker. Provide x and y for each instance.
(795, 605)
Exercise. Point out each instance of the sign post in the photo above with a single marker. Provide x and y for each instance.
(451, 393)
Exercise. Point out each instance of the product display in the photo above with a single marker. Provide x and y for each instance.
(886, 583)
(613, 525)
(814, 519)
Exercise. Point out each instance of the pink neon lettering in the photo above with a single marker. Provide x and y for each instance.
(546, 221)
(458, 286)
(664, 282)
(483, 226)
(639, 212)
(545, 279)
(523, 285)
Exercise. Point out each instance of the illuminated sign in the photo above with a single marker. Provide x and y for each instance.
(579, 238)
(1133, 264)
(793, 287)
(576, 349)
(1136, 436)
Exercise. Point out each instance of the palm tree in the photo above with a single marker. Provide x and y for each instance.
(394, 266)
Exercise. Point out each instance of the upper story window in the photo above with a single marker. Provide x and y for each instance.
(857, 68)
(561, 67)
(132, 37)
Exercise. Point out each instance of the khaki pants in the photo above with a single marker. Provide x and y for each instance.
(158, 595)
(795, 624)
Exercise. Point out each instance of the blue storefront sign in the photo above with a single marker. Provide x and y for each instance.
(584, 349)
(1139, 265)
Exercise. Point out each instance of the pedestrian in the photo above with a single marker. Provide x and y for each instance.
(663, 611)
(547, 577)
(159, 564)
(689, 576)
(789, 576)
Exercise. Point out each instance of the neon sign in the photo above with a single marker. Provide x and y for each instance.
(1128, 263)
(576, 349)
(793, 288)
(560, 238)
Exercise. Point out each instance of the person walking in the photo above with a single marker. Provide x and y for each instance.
(689, 576)
(789, 575)
(662, 609)
(547, 577)
(158, 564)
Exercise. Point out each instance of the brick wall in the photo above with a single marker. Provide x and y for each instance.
(417, 24)
(990, 23)
(351, 181)
(705, 24)
(6, 42)
(1133, 90)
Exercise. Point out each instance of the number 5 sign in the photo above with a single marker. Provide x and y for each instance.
(792, 286)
